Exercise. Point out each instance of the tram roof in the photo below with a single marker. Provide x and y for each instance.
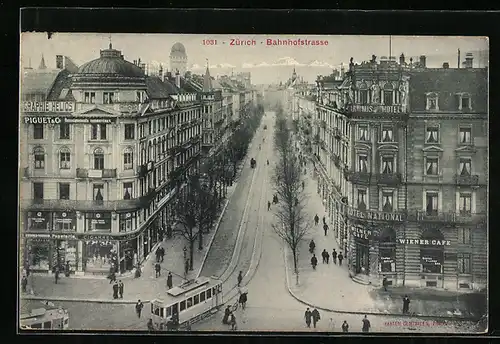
(188, 289)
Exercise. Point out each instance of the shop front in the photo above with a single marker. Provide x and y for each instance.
(46, 251)
(64, 221)
(432, 244)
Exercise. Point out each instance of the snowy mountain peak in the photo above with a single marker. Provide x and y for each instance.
(287, 61)
(317, 63)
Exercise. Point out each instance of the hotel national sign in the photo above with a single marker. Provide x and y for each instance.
(377, 108)
(369, 214)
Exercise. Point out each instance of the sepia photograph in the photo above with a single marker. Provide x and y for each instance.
(239, 183)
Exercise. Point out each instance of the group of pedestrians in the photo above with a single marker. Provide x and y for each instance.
(229, 318)
(325, 255)
(314, 316)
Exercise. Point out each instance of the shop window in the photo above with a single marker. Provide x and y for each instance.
(98, 131)
(387, 251)
(202, 296)
(464, 203)
(387, 164)
(431, 166)
(64, 221)
(432, 134)
(127, 222)
(38, 131)
(64, 131)
(127, 190)
(64, 159)
(98, 159)
(362, 163)
(38, 255)
(361, 199)
(387, 201)
(99, 255)
(39, 154)
(432, 256)
(465, 135)
(129, 131)
(465, 166)
(89, 97)
(431, 199)
(37, 191)
(464, 235)
(68, 253)
(98, 191)
(363, 133)
(387, 134)
(464, 263)
(63, 190)
(108, 98)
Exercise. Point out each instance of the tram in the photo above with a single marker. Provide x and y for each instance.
(48, 318)
(187, 303)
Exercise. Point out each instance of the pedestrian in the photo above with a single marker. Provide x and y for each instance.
(138, 308)
(340, 257)
(162, 253)
(112, 275)
(323, 255)
(406, 304)
(24, 284)
(56, 274)
(314, 261)
(233, 322)
(120, 288)
(366, 324)
(268, 205)
(384, 283)
(240, 278)
(227, 314)
(331, 326)
(316, 219)
(334, 256)
(345, 326)
(150, 325)
(325, 228)
(169, 280)
(157, 269)
(324, 220)
(115, 290)
(327, 257)
(315, 317)
(243, 300)
(157, 254)
(186, 267)
(308, 316)
(312, 246)
(303, 185)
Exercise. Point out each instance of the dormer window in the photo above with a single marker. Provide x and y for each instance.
(108, 98)
(432, 101)
(89, 97)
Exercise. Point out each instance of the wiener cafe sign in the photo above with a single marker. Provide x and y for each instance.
(433, 242)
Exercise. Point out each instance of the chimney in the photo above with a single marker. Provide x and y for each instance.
(446, 65)
(468, 60)
(177, 79)
(422, 61)
(458, 59)
(402, 59)
(139, 61)
(59, 62)
(160, 72)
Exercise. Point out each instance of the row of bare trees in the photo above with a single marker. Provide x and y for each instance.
(288, 180)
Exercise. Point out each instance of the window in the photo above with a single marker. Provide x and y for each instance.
(196, 299)
(182, 305)
(464, 235)
(127, 221)
(465, 103)
(432, 134)
(431, 199)
(64, 159)
(465, 166)
(363, 133)
(387, 199)
(363, 97)
(465, 135)
(64, 130)
(128, 159)
(431, 166)
(38, 131)
(37, 191)
(63, 191)
(108, 97)
(98, 132)
(127, 190)
(189, 302)
(387, 250)
(202, 296)
(129, 131)
(209, 293)
(362, 163)
(432, 102)
(464, 203)
(464, 263)
(89, 97)
(387, 165)
(388, 97)
(362, 200)
(39, 154)
(386, 134)
(431, 256)
(98, 191)
(98, 159)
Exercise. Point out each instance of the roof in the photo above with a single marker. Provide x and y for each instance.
(35, 81)
(447, 83)
(178, 50)
(157, 89)
(111, 61)
(61, 87)
(207, 81)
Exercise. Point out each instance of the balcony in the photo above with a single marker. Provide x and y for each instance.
(323, 124)
(471, 180)
(358, 177)
(389, 178)
(195, 138)
(446, 217)
(96, 174)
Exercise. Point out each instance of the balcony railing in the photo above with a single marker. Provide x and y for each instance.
(467, 180)
(358, 177)
(389, 178)
(445, 217)
(96, 174)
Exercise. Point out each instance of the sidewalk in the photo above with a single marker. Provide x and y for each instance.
(330, 287)
(146, 287)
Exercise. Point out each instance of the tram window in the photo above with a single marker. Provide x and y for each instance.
(183, 305)
(36, 326)
(157, 311)
(209, 293)
(47, 324)
(202, 296)
(219, 288)
(189, 302)
(162, 313)
(66, 321)
(169, 311)
(214, 290)
(196, 299)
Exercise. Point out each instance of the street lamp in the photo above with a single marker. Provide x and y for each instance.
(184, 250)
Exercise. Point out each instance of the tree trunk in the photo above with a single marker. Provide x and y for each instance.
(200, 237)
(295, 267)
(191, 253)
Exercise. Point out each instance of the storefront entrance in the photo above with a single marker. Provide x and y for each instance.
(362, 260)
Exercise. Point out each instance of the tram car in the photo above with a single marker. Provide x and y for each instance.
(49, 317)
(187, 303)
(253, 163)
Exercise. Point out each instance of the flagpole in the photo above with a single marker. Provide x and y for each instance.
(390, 47)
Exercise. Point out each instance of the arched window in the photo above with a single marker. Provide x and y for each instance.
(432, 252)
(98, 159)
(388, 93)
(128, 158)
(387, 250)
(363, 93)
(39, 154)
(64, 158)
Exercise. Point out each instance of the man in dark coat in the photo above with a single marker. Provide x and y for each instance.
(327, 257)
(157, 270)
(120, 288)
(169, 280)
(323, 254)
(324, 220)
(115, 290)
(406, 304)
(308, 316)
(315, 317)
(138, 308)
(268, 205)
(162, 253)
(334, 256)
(325, 228)
(316, 219)
(240, 278)
(384, 283)
(56, 274)
(366, 324)
(314, 261)
(345, 326)
(341, 258)
(24, 284)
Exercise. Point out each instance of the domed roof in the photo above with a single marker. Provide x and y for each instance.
(111, 62)
(178, 50)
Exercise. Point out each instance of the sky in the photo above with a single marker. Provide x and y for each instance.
(84, 47)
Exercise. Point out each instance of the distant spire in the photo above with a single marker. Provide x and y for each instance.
(42, 64)
(207, 80)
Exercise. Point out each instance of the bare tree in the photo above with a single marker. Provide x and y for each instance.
(292, 225)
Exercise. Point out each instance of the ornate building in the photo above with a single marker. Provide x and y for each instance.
(178, 59)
